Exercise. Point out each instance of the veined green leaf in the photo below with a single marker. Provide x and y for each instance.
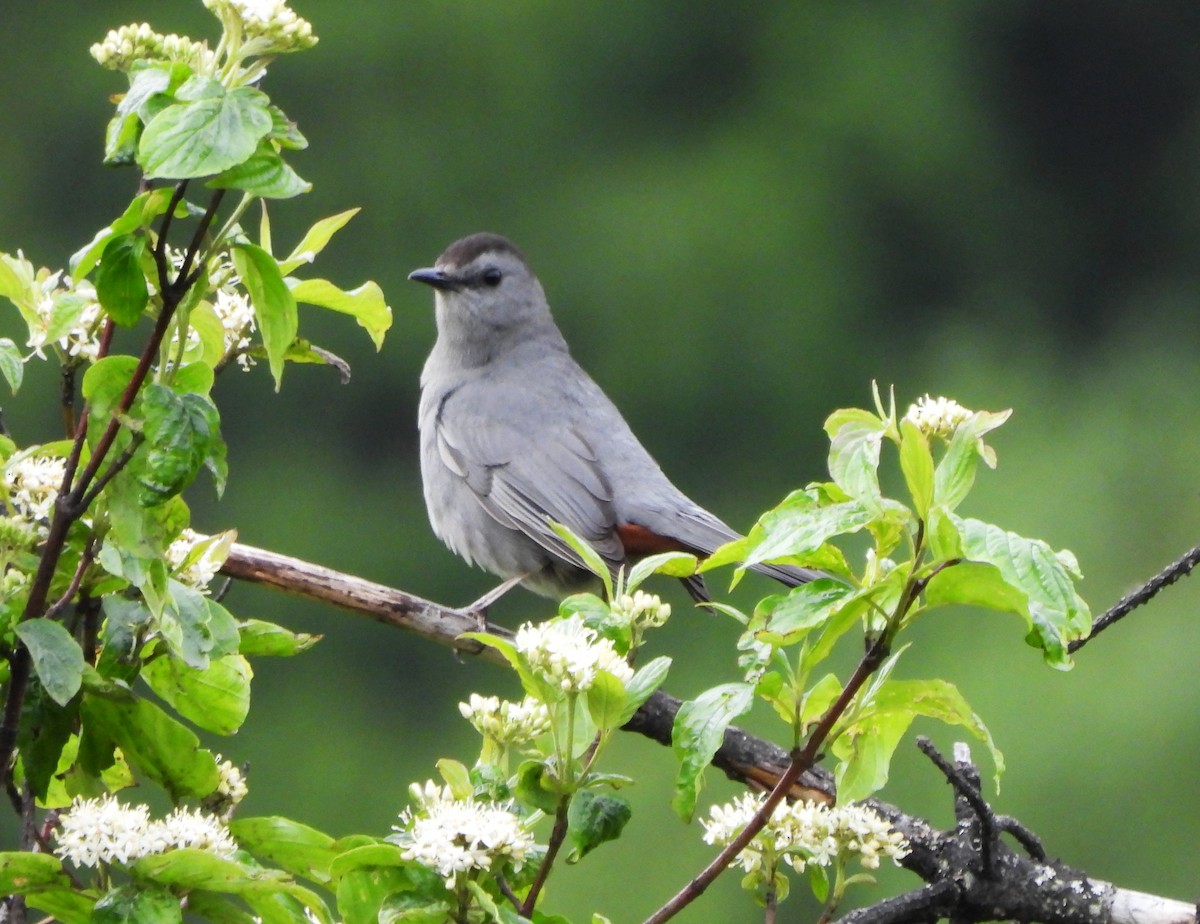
(594, 818)
(56, 656)
(274, 304)
(159, 747)
(264, 173)
(120, 283)
(204, 136)
(215, 697)
(12, 366)
(296, 848)
(916, 461)
(365, 304)
(699, 730)
(315, 239)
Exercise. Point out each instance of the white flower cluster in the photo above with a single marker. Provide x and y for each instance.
(642, 609)
(194, 558)
(237, 319)
(69, 312)
(31, 484)
(95, 831)
(139, 42)
(232, 786)
(937, 416)
(269, 26)
(804, 832)
(511, 724)
(569, 654)
(454, 836)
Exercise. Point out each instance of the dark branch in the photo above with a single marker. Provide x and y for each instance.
(1144, 594)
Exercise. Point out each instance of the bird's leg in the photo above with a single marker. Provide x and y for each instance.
(479, 608)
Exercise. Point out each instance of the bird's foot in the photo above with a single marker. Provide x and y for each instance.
(479, 608)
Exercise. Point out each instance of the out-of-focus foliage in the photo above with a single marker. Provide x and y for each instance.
(742, 216)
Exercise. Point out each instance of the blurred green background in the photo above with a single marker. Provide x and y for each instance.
(743, 214)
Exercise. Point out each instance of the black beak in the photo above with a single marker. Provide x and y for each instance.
(432, 276)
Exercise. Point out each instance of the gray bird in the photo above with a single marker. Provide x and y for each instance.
(515, 434)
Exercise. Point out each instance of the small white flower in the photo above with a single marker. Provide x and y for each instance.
(232, 786)
(454, 836)
(805, 832)
(269, 26)
(937, 416)
(645, 610)
(568, 654)
(94, 831)
(196, 558)
(511, 724)
(139, 42)
(237, 318)
(196, 829)
(31, 484)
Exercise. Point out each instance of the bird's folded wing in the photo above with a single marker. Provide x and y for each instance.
(524, 480)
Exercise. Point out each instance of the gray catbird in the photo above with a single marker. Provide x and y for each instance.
(515, 434)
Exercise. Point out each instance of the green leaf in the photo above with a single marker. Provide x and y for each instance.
(141, 212)
(798, 526)
(457, 777)
(204, 136)
(790, 617)
(296, 848)
(588, 555)
(641, 686)
(192, 868)
(22, 873)
(866, 745)
(955, 473)
(365, 304)
(145, 82)
(104, 383)
(137, 904)
(182, 434)
(592, 819)
(12, 366)
(264, 174)
(606, 701)
(536, 787)
(672, 564)
(699, 731)
(57, 657)
(216, 697)
(120, 283)
(159, 747)
(274, 304)
(415, 909)
(916, 461)
(1057, 614)
(366, 876)
(315, 239)
(65, 905)
(532, 684)
(266, 639)
(854, 456)
(284, 131)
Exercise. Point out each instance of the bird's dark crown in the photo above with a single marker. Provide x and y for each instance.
(462, 252)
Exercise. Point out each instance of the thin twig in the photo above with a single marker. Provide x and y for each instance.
(558, 835)
(1144, 594)
(111, 472)
(85, 562)
(969, 793)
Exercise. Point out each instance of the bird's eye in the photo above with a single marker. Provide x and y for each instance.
(492, 276)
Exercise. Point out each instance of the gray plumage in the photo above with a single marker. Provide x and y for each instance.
(514, 432)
